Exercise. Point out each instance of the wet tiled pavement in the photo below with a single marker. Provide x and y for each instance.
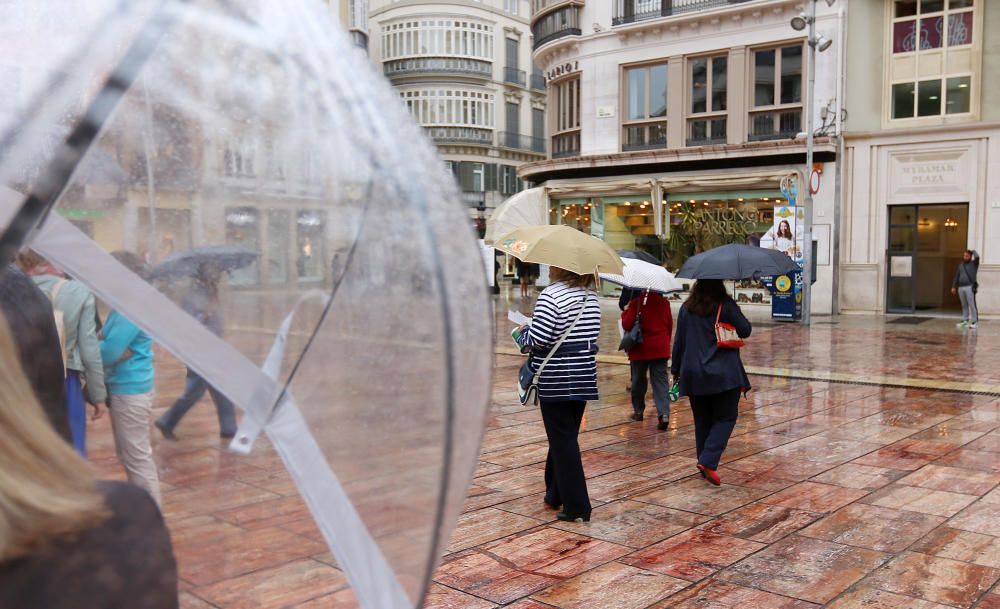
(838, 494)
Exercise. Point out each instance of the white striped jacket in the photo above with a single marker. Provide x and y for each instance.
(571, 374)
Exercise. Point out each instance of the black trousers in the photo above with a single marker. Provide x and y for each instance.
(565, 483)
(714, 420)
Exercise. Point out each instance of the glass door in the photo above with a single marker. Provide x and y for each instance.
(901, 259)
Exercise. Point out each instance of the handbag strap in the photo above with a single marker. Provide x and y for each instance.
(718, 314)
(638, 313)
(583, 307)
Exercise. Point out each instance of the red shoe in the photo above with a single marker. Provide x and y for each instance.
(709, 474)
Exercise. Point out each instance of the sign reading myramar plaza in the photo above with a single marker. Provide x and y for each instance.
(929, 172)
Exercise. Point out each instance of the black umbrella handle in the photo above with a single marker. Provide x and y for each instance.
(56, 175)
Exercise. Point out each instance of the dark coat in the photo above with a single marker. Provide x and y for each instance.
(29, 316)
(703, 368)
(126, 562)
(657, 322)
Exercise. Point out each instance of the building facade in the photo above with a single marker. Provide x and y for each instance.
(464, 69)
(922, 150)
(353, 15)
(698, 103)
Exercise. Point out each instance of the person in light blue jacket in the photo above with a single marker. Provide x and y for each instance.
(127, 353)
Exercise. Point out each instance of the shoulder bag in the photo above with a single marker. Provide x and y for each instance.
(527, 380)
(633, 338)
(725, 334)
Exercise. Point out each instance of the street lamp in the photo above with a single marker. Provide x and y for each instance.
(817, 44)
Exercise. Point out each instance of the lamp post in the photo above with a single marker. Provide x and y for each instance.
(817, 44)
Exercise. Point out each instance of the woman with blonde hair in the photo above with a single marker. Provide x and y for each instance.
(67, 541)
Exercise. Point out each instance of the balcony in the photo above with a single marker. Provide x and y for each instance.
(566, 145)
(564, 21)
(632, 11)
(518, 141)
(538, 6)
(460, 135)
(514, 76)
(571, 31)
(775, 125)
(537, 82)
(416, 66)
(707, 131)
(359, 38)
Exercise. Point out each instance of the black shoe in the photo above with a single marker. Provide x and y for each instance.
(167, 432)
(564, 516)
(636, 416)
(663, 424)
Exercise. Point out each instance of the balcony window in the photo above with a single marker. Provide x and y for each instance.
(437, 37)
(559, 23)
(645, 123)
(777, 93)
(708, 93)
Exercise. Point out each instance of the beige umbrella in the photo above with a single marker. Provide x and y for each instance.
(563, 247)
(526, 208)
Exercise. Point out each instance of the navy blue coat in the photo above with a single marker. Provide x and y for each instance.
(703, 368)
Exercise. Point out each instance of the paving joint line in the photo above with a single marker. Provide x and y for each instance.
(831, 377)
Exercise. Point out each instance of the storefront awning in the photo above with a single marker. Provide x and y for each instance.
(719, 181)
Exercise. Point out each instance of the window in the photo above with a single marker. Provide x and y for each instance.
(645, 121)
(777, 93)
(510, 6)
(563, 22)
(450, 106)
(707, 118)
(437, 37)
(929, 68)
(478, 177)
(277, 246)
(509, 184)
(309, 243)
(238, 157)
(922, 25)
(243, 228)
(564, 100)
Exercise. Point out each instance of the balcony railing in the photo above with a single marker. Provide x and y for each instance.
(570, 31)
(537, 82)
(707, 131)
(461, 135)
(538, 6)
(519, 141)
(438, 65)
(775, 125)
(566, 145)
(631, 11)
(514, 76)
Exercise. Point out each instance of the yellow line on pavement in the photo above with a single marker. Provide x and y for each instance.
(825, 375)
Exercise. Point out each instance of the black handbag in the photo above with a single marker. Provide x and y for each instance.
(527, 379)
(633, 338)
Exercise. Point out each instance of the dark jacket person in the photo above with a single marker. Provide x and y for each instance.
(713, 378)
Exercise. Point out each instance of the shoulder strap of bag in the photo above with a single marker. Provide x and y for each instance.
(638, 313)
(718, 314)
(966, 272)
(583, 307)
(55, 291)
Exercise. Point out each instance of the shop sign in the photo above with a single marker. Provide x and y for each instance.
(930, 173)
(729, 222)
(562, 70)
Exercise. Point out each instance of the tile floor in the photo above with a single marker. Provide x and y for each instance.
(835, 494)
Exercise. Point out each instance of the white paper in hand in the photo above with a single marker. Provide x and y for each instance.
(517, 317)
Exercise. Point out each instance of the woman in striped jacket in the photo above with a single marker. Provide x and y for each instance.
(567, 382)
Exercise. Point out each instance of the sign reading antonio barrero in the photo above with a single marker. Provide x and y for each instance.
(562, 70)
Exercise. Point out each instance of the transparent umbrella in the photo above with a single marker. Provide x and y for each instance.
(354, 339)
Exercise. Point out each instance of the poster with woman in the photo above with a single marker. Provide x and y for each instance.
(786, 234)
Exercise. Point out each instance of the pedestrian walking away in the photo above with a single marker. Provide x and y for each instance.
(711, 376)
(648, 359)
(202, 302)
(966, 286)
(77, 311)
(566, 383)
(127, 352)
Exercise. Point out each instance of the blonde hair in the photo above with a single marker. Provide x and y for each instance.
(46, 489)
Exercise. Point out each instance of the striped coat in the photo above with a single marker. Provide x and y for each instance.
(571, 374)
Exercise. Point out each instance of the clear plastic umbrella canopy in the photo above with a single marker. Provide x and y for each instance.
(354, 337)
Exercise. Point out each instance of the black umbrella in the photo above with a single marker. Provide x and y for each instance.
(737, 261)
(639, 255)
(187, 263)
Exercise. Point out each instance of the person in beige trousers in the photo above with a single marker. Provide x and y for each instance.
(127, 353)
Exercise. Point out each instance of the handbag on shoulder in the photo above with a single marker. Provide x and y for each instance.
(527, 380)
(633, 337)
(725, 334)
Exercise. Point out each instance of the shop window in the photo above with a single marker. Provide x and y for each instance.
(243, 228)
(310, 227)
(645, 124)
(564, 99)
(777, 93)
(707, 90)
